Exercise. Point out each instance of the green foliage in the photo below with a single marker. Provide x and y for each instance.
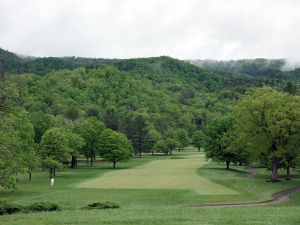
(90, 130)
(160, 146)
(9, 208)
(31, 162)
(214, 142)
(198, 139)
(102, 205)
(269, 122)
(72, 113)
(137, 132)
(12, 208)
(75, 142)
(114, 147)
(182, 138)
(153, 137)
(42, 207)
(54, 145)
(16, 141)
(290, 87)
(171, 144)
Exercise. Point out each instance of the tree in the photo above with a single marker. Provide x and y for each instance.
(137, 131)
(112, 119)
(269, 121)
(75, 143)
(16, 141)
(153, 137)
(171, 144)
(90, 130)
(41, 123)
(72, 113)
(198, 139)
(52, 165)
(161, 146)
(31, 162)
(54, 147)
(290, 88)
(92, 112)
(182, 138)
(214, 145)
(8, 92)
(115, 147)
(8, 164)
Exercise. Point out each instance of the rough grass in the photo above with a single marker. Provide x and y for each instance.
(171, 174)
(164, 216)
(155, 206)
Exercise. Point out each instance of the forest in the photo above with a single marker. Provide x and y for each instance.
(54, 110)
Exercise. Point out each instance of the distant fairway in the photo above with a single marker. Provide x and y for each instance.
(161, 174)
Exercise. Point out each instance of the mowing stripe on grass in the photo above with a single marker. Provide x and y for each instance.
(173, 174)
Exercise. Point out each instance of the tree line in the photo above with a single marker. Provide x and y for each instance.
(141, 106)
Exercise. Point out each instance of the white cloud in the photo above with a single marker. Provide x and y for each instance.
(218, 29)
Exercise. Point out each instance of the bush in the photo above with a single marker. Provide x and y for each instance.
(102, 205)
(42, 206)
(9, 208)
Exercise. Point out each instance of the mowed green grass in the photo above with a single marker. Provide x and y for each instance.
(163, 216)
(171, 174)
(157, 206)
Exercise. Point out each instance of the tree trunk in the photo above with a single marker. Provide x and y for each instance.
(140, 151)
(73, 162)
(91, 161)
(274, 170)
(114, 164)
(198, 149)
(50, 172)
(288, 175)
(227, 164)
(54, 172)
(179, 149)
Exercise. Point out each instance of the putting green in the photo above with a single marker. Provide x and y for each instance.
(174, 174)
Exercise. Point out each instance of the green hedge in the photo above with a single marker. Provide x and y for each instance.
(102, 205)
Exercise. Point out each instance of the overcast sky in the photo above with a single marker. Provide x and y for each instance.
(185, 29)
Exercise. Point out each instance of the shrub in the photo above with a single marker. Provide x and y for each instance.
(176, 157)
(102, 205)
(42, 206)
(9, 208)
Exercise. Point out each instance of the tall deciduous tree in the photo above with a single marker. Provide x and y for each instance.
(198, 139)
(161, 146)
(90, 130)
(115, 147)
(16, 143)
(153, 137)
(269, 121)
(75, 143)
(54, 147)
(182, 138)
(214, 146)
(171, 144)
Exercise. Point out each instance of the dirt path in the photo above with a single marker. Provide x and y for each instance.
(278, 197)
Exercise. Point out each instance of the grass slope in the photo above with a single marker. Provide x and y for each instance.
(169, 174)
(155, 206)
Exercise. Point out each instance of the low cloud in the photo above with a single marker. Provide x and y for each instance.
(191, 29)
